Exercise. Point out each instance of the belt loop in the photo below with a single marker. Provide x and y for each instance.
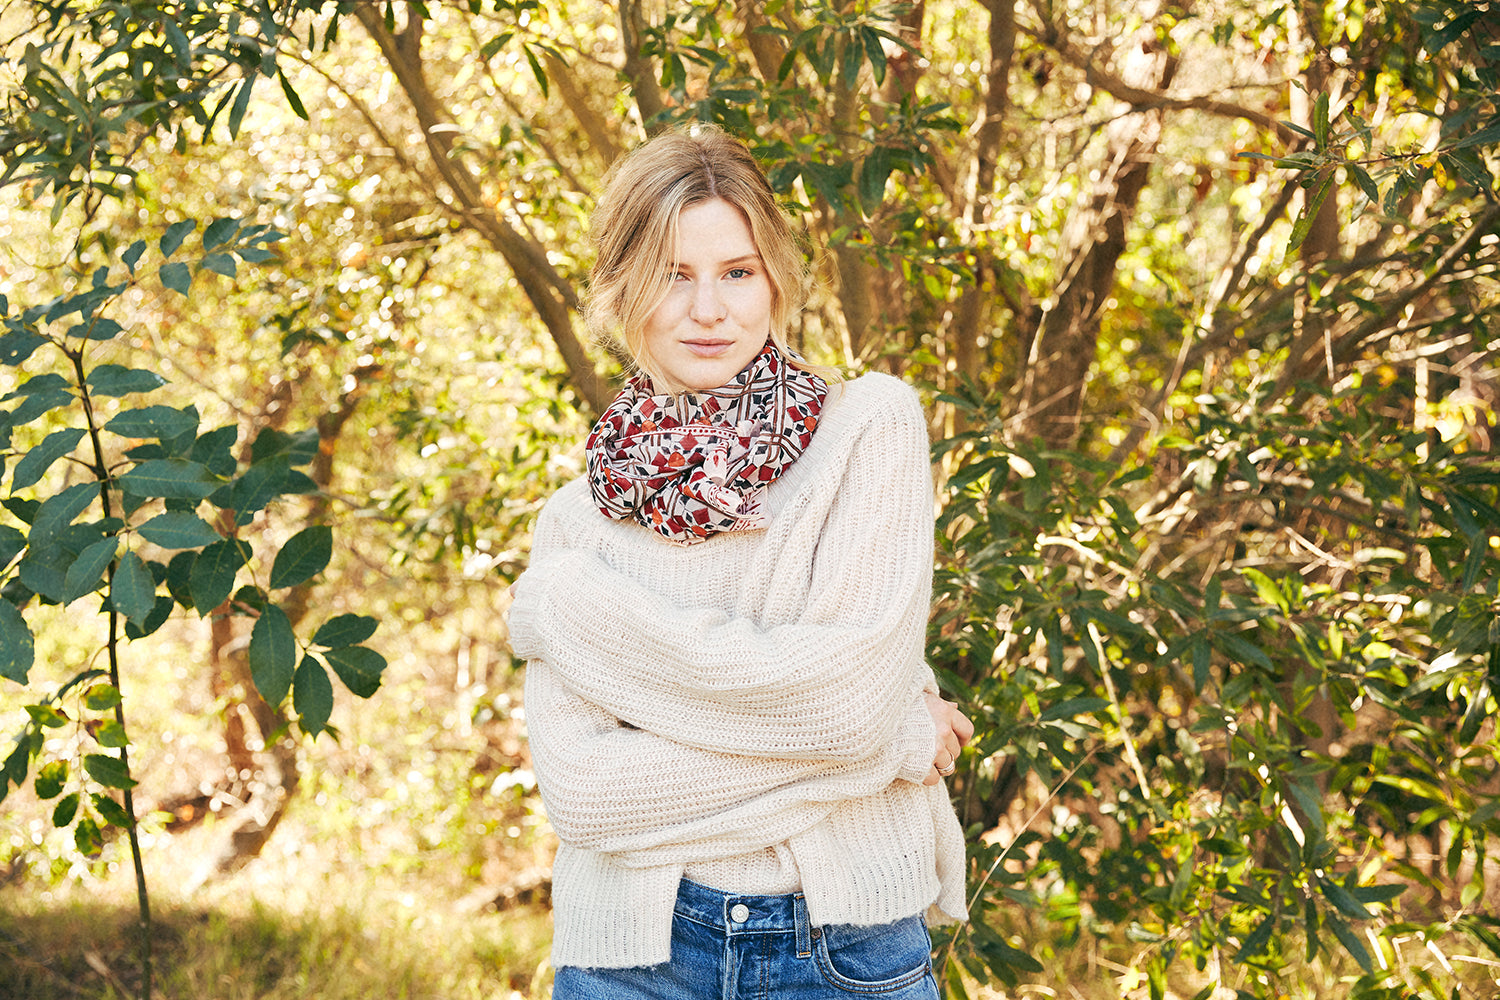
(804, 927)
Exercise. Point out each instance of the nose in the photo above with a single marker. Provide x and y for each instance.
(708, 306)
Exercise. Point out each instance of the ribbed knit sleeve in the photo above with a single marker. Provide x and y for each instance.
(835, 680)
(648, 800)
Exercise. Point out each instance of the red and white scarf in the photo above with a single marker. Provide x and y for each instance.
(693, 464)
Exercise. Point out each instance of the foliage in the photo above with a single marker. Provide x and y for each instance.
(1228, 697)
(1205, 296)
(147, 470)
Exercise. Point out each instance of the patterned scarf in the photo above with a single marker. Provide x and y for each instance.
(690, 465)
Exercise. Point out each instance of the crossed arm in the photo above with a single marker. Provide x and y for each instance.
(737, 735)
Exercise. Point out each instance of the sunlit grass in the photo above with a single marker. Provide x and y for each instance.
(361, 940)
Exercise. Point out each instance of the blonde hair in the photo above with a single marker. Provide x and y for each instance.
(635, 234)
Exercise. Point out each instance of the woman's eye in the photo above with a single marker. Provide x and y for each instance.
(739, 272)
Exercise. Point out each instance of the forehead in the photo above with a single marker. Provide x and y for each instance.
(714, 230)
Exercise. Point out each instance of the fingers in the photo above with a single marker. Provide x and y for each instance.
(962, 727)
(954, 731)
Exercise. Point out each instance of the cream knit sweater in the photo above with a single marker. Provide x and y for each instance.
(749, 710)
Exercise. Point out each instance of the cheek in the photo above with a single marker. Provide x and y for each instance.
(668, 313)
(753, 302)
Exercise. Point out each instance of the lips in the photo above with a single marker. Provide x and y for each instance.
(708, 348)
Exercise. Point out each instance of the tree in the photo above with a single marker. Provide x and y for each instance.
(1205, 300)
(146, 471)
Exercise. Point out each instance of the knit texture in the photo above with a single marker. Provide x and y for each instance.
(748, 711)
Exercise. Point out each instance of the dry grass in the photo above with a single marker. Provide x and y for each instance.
(338, 937)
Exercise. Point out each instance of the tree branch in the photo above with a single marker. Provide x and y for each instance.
(1146, 98)
(553, 298)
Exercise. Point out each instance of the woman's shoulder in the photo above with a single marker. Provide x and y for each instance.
(570, 506)
(873, 398)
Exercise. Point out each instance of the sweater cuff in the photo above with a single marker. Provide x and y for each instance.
(916, 742)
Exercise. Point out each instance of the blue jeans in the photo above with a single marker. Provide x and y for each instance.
(734, 947)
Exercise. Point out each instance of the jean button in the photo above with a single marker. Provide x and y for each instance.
(739, 913)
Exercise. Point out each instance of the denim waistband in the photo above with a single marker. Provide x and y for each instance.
(733, 914)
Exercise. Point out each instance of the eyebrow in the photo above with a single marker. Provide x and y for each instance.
(747, 258)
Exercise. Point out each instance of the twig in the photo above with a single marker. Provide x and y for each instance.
(1114, 700)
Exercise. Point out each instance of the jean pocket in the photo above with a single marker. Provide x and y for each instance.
(875, 960)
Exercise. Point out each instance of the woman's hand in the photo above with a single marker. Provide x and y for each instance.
(954, 730)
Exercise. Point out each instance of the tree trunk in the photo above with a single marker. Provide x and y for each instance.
(972, 309)
(638, 69)
(554, 299)
(1063, 345)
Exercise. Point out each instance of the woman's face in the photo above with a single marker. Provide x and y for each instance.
(717, 314)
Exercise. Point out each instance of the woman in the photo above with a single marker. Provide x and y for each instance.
(737, 740)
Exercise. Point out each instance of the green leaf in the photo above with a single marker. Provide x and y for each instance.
(16, 346)
(291, 96)
(1480, 138)
(111, 811)
(86, 837)
(108, 771)
(132, 592)
(1366, 184)
(214, 571)
(179, 530)
(312, 696)
(173, 478)
(44, 570)
(1377, 893)
(297, 449)
(220, 263)
(1310, 209)
(46, 716)
(1255, 942)
(164, 423)
(303, 556)
(155, 618)
(1340, 897)
(273, 654)
(111, 734)
(1305, 795)
(87, 571)
(1474, 717)
(132, 254)
(177, 276)
(1351, 942)
(17, 647)
(345, 630)
(101, 698)
(258, 486)
(999, 952)
(175, 234)
(873, 174)
(359, 667)
(117, 380)
(1242, 651)
(58, 511)
(35, 405)
(67, 808)
(51, 778)
(97, 328)
(241, 103)
(35, 463)
(219, 232)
